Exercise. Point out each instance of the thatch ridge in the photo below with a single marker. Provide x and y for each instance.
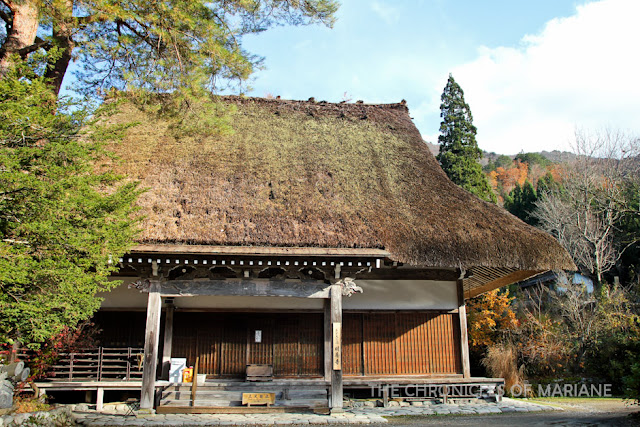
(306, 173)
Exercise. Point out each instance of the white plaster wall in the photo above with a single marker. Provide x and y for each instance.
(122, 297)
(403, 295)
(377, 295)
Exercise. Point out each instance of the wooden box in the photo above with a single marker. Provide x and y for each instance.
(259, 372)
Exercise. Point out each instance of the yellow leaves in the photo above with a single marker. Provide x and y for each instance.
(489, 316)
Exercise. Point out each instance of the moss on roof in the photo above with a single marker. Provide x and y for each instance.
(301, 173)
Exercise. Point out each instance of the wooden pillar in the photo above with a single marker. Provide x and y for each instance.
(336, 350)
(167, 342)
(151, 338)
(464, 341)
(99, 399)
(328, 334)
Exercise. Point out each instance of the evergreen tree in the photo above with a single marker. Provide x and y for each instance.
(546, 184)
(521, 202)
(459, 152)
(63, 222)
(533, 159)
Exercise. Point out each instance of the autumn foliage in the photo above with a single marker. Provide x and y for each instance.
(68, 340)
(489, 317)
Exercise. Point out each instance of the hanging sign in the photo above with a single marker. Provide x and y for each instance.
(337, 347)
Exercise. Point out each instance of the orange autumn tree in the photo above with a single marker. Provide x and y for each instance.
(508, 178)
(489, 316)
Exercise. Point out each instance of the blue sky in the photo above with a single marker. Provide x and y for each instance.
(532, 70)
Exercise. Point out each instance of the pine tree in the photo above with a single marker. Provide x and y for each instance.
(459, 152)
(168, 46)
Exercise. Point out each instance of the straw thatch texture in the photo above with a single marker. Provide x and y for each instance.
(318, 174)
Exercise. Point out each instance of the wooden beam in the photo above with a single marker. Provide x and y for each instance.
(265, 288)
(167, 342)
(327, 340)
(408, 273)
(335, 402)
(151, 338)
(464, 341)
(503, 281)
(257, 250)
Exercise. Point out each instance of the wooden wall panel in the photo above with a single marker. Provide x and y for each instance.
(234, 348)
(225, 342)
(412, 351)
(374, 343)
(410, 343)
(286, 354)
(208, 349)
(352, 344)
(443, 332)
(311, 338)
(120, 328)
(379, 330)
(260, 352)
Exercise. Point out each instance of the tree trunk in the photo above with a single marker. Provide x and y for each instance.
(22, 31)
(62, 38)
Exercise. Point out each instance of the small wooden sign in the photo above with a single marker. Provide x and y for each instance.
(337, 346)
(258, 399)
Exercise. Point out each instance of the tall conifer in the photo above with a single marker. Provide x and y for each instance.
(459, 152)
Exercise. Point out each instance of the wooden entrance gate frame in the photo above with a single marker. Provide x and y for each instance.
(158, 287)
(332, 294)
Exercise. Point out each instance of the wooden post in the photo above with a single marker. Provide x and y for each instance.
(464, 341)
(194, 382)
(336, 349)
(167, 342)
(385, 396)
(99, 399)
(327, 340)
(151, 338)
(99, 363)
(13, 355)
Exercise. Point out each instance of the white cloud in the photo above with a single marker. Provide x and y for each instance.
(387, 13)
(578, 71)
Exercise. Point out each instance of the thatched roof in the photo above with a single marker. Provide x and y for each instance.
(316, 174)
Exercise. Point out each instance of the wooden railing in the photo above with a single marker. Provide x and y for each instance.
(99, 364)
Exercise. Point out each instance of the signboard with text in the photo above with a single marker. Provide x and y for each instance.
(337, 346)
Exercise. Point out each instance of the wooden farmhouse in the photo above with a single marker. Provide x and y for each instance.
(319, 246)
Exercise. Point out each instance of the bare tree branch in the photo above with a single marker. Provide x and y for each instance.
(5, 16)
(586, 214)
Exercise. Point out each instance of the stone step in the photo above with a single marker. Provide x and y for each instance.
(311, 403)
(243, 386)
(236, 394)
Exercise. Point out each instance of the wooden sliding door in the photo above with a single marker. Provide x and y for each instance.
(401, 343)
(227, 342)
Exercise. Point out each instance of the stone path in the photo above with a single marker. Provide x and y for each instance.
(362, 415)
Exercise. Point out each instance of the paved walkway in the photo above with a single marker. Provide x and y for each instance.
(350, 416)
